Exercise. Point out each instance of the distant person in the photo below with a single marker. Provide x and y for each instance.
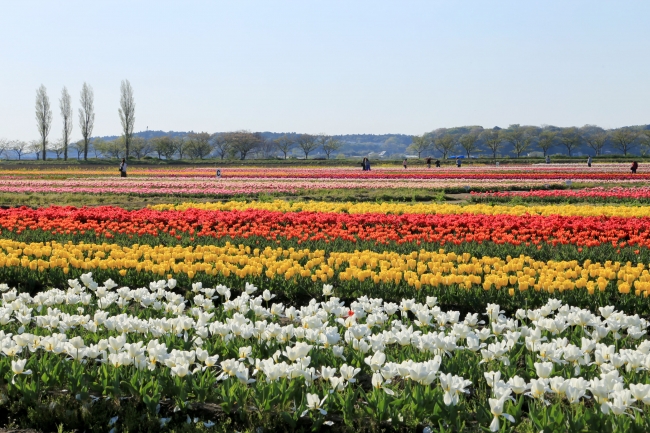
(429, 162)
(367, 164)
(458, 162)
(404, 163)
(589, 161)
(363, 164)
(634, 167)
(123, 168)
(548, 159)
(438, 163)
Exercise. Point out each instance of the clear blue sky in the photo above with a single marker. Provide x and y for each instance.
(329, 66)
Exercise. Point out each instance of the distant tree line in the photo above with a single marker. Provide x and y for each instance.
(223, 145)
(469, 141)
(518, 140)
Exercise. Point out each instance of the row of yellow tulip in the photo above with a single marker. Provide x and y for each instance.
(418, 208)
(417, 269)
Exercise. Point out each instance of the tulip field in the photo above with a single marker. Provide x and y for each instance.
(523, 308)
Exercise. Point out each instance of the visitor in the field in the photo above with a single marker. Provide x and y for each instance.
(589, 161)
(429, 162)
(123, 168)
(367, 164)
(363, 164)
(437, 163)
(458, 162)
(635, 165)
(404, 163)
(548, 159)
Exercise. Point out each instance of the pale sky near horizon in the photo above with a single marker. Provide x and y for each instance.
(328, 66)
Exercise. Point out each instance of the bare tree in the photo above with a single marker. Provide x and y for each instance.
(5, 146)
(34, 147)
(66, 114)
(243, 142)
(546, 140)
(321, 140)
(140, 147)
(307, 143)
(284, 143)
(199, 144)
(221, 146)
(266, 148)
(594, 136)
(164, 146)
(570, 138)
(469, 143)
(127, 114)
(98, 144)
(180, 146)
(493, 139)
(645, 143)
(43, 116)
(87, 116)
(58, 148)
(19, 147)
(445, 143)
(624, 139)
(111, 149)
(79, 147)
(331, 145)
(420, 144)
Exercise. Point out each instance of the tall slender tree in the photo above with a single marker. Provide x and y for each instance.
(86, 116)
(43, 116)
(66, 115)
(127, 113)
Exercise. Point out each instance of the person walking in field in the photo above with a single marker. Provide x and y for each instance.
(458, 162)
(367, 164)
(123, 168)
(548, 159)
(438, 163)
(589, 161)
(429, 162)
(404, 163)
(363, 164)
(634, 167)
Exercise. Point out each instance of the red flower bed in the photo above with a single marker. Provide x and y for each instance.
(312, 226)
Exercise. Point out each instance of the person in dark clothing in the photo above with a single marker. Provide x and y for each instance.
(123, 168)
(437, 163)
(429, 162)
(363, 164)
(634, 167)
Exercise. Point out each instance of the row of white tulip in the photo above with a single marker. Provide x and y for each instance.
(571, 354)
